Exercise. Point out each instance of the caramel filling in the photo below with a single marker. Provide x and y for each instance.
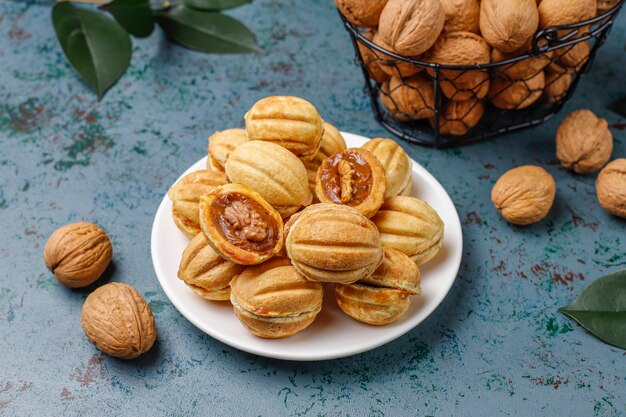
(347, 178)
(244, 223)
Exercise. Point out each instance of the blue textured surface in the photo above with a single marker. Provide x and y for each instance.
(495, 346)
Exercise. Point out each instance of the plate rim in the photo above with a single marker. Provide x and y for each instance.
(456, 258)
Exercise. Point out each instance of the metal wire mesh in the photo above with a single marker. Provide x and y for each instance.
(444, 105)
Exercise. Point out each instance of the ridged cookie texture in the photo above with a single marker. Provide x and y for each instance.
(273, 172)
(221, 144)
(205, 271)
(185, 195)
(273, 300)
(333, 243)
(372, 305)
(396, 271)
(410, 226)
(332, 142)
(395, 162)
(291, 122)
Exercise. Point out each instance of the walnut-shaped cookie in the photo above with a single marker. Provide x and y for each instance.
(395, 161)
(205, 271)
(354, 178)
(332, 142)
(384, 296)
(273, 172)
(185, 195)
(291, 122)
(410, 226)
(333, 243)
(273, 300)
(221, 144)
(240, 225)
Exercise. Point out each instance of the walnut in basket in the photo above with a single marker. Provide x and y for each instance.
(508, 25)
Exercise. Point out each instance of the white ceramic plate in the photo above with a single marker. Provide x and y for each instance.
(333, 334)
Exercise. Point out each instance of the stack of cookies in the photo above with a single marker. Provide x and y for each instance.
(284, 207)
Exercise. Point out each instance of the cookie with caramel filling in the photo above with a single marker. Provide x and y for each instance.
(221, 144)
(332, 142)
(273, 300)
(395, 161)
(333, 243)
(240, 225)
(353, 178)
(185, 195)
(205, 271)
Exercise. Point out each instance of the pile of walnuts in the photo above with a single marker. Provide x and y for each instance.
(469, 33)
(524, 195)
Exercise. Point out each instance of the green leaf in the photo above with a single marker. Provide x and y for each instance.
(619, 106)
(95, 45)
(134, 15)
(207, 31)
(215, 4)
(601, 309)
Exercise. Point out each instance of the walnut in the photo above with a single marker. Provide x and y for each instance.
(246, 221)
(565, 12)
(77, 254)
(118, 321)
(524, 195)
(364, 13)
(346, 174)
(508, 25)
(516, 95)
(611, 187)
(584, 142)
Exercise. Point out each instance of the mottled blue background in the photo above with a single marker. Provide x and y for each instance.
(496, 345)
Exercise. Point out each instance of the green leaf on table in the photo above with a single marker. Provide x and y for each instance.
(134, 15)
(96, 46)
(215, 4)
(619, 106)
(207, 31)
(601, 309)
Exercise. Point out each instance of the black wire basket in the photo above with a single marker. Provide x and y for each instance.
(439, 105)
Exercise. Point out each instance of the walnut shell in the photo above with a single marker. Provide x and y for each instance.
(363, 13)
(353, 177)
(573, 58)
(333, 243)
(516, 95)
(411, 27)
(185, 195)
(205, 271)
(584, 142)
(291, 122)
(240, 225)
(611, 187)
(273, 172)
(395, 162)
(372, 305)
(524, 195)
(524, 68)
(411, 226)
(460, 116)
(414, 96)
(390, 104)
(221, 144)
(389, 64)
(461, 48)
(118, 321)
(78, 254)
(273, 300)
(508, 25)
(370, 59)
(557, 86)
(461, 15)
(605, 5)
(565, 12)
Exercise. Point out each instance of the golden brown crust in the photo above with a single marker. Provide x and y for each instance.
(396, 271)
(273, 172)
(395, 161)
(205, 271)
(240, 225)
(291, 122)
(333, 243)
(353, 177)
(272, 300)
(185, 195)
(410, 226)
(221, 144)
(372, 305)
